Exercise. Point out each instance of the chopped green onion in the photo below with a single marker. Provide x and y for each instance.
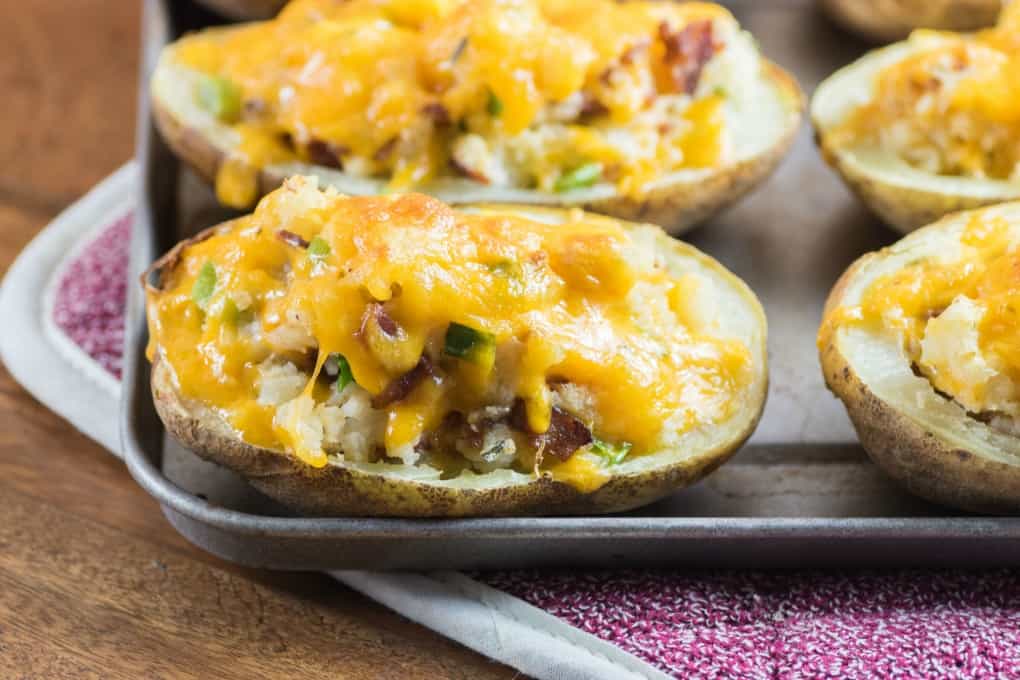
(466, 343)
(494, 106)
(612, 454)
(337, 365)
(205, 284)
(231, 313)
(720, 91)
(318, 248)
(220, 97)
(580, 177)
(505, 267)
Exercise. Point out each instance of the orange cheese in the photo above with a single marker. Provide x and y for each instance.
(556, 299)
(367, 76)
(987, 272)
(960, 94)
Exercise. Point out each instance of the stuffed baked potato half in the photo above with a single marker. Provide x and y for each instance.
(393, 356)
(927, 126)
(886, 20)
(920, 342)
(662, 112)
(245, 10)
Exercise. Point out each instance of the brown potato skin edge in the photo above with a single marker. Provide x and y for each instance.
(245, 10)
(340, 491)
(904, 210)
(917, 459)
(677, 208)
(871, 19)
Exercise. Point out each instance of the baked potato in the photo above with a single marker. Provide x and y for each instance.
(245, 10)
(927, 126)
(392, 356)
(887, 20)
(919, 340)
(662, 112)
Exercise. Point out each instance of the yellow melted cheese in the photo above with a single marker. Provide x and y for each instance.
(958, 94)
(555, 297)
(359, 75)
(978, 338)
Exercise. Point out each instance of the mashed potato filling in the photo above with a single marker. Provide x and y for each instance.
(397, 328)
(960, 318)
(556, 95)
(952, 107)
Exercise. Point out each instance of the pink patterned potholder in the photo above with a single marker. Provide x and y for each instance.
(697, 624)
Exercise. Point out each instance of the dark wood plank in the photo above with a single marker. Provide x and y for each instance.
(93, 581)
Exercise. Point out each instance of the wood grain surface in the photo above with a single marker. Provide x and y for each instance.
(93, 581)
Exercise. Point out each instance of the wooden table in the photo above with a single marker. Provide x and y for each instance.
(93, 581)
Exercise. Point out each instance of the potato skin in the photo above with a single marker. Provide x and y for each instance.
(245, 10)
(916, 458)
(340, 491)
(676, 207)
(337, 490)
(904, 201)
(889, 20)
(905, 209)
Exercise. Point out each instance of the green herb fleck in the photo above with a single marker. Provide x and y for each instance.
(204, 286)
(337, 365)
(580, 177)
(505, 267)
(464, 342)
(612, 454)
(318, 248)
(220, 97)
(720, 91)
(231, 313)
(494, 105)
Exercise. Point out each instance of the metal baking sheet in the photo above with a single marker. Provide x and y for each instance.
(802, 492)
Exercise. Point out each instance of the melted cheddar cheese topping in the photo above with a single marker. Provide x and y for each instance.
(952, 107)
(579, 321)
(522, 93)
(958, 316)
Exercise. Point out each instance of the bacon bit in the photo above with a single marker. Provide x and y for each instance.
(291, 239)
(385, 151)
(399, 388)
(377, 313)
(612, 172)
(631, 53)
(254, 108)
(566, 434)
(687, 52)
(470, 173)
(326, 154)
(437, 113)
(592, 107)
(627, 58)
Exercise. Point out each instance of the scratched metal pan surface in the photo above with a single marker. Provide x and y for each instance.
(801, 493)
